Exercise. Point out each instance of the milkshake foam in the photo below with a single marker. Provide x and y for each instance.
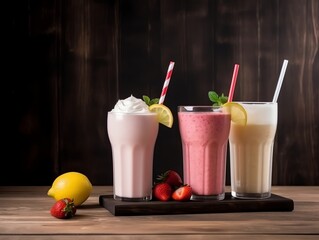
(131, 105)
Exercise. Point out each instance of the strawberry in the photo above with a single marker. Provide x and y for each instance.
(162, 191)
(172, 178)
(183, 193)
(63, 208)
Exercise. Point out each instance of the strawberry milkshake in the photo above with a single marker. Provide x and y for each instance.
(132, 130)
(204, 133)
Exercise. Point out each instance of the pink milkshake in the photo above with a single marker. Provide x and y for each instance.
(204, 132)
(132, 130)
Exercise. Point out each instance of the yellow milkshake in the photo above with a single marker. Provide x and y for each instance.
(251, 151)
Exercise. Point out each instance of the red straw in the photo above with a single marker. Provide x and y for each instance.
(233, 83)
(167, 79)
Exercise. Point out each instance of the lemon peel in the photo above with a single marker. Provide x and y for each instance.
(237, 112)
(73, 185)
(164, 114)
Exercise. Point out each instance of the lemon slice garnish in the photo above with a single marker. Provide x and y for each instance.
(164, 114)
(237, 112)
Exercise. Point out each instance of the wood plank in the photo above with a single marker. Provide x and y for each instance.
(160, 237)
(31, 69)
(297, 129)
(89, 86)
(25, 211)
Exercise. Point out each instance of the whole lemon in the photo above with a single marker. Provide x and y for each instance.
(73, 185)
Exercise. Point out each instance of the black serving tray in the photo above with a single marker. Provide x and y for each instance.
(228, 205)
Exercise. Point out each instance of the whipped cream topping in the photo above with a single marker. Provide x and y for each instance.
(131, 105)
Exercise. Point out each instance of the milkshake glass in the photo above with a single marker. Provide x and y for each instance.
(204, 133)
(132, 130)
(251, 151)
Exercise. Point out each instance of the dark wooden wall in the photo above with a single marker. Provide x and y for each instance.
(66, 62)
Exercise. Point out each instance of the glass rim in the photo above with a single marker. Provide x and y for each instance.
(198, 108)
(132, 113)
(252, 102)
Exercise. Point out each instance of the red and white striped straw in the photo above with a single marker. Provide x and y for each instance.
(166, 82)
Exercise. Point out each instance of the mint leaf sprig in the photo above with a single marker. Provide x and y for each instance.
(217, 100)
(149, 101)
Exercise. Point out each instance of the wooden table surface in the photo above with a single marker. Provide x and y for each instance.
(24, 214)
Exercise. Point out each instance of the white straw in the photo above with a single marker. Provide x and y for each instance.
(280, 80)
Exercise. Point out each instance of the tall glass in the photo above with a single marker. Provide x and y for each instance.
(251, 151)
(204, 133)
(132, 137)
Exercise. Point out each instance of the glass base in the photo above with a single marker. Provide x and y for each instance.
(208, 197)
(251, 195)
(126, 199)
